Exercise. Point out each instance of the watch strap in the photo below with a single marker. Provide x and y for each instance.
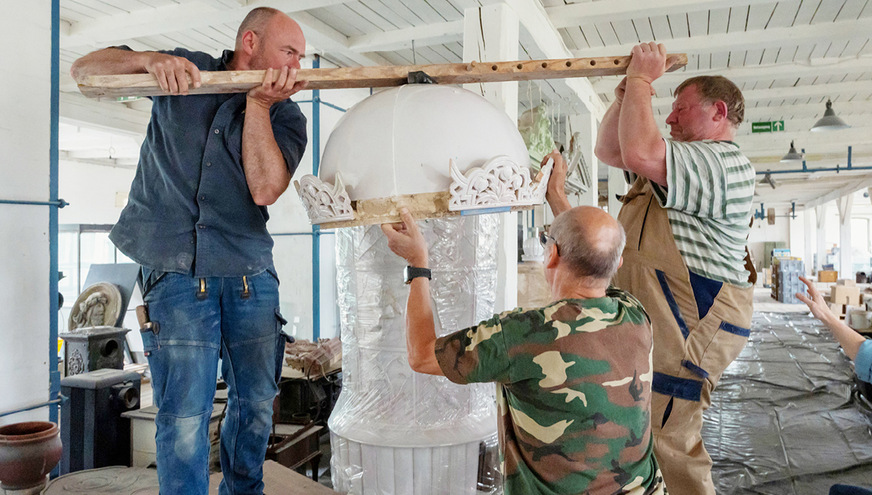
(412, 272)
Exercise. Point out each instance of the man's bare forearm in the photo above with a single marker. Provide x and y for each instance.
(266, 171)
(643, 150)
(420, 329)
(109, 61)
(608, 143)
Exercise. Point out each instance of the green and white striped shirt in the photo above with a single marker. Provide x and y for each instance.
(710, 187)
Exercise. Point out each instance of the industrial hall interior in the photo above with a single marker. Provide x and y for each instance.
(436, 247)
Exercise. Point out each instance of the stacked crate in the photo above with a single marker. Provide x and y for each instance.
(785, 281)
(844, 295)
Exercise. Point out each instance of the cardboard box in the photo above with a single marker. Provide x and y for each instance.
(847, 282)
(841, 294)
(827, 275)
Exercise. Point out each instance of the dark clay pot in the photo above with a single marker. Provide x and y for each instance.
(28, 452)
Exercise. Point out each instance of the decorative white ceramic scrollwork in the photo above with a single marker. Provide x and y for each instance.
(499, 182)
(324, 202)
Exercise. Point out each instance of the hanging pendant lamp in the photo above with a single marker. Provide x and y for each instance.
(792, 155)
(829, 122)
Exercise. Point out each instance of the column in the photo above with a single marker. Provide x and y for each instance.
(846, 205)
(490, 34)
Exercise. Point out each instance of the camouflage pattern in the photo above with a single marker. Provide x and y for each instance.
(573, 392)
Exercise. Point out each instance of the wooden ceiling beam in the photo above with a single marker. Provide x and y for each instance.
(751, 40)
(171, 18)
(806, 91)
(573, 15)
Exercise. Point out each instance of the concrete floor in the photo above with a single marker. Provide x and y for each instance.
(727, 477)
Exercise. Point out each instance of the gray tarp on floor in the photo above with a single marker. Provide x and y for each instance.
(786, 417)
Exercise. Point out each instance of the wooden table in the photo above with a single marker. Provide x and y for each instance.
(293, 446)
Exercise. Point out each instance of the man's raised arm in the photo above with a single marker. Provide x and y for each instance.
(170, 71)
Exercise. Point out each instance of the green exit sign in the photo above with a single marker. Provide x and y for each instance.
(774, 126)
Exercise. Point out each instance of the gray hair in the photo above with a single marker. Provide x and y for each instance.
(714, 88)
(589, 251)
(256, 21)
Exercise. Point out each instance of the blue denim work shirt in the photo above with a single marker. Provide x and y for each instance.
(189, 210)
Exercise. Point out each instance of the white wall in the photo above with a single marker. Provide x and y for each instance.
(24, 252)
(92, 192)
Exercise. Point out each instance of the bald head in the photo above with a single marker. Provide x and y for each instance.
(268, 39)
(589, 241)
(257, 21)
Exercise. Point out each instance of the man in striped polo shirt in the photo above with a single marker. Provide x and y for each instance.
(687, 219)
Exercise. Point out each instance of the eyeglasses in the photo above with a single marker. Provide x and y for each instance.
(544, 238)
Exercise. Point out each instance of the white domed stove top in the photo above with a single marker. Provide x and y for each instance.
(437, 150)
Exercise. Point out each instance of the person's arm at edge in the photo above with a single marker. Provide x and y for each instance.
(555, 193)
(643, 150)
(266, 171)
(847, 337)
(608, 144)
(405, 240)
(171, 72)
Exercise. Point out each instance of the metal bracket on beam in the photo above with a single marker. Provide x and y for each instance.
(420, 77)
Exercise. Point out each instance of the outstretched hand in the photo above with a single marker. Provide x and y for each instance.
(406, 241)
(815, 302)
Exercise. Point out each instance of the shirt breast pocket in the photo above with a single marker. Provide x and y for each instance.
(233, 138)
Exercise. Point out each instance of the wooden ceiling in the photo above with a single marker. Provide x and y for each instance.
(788, 57)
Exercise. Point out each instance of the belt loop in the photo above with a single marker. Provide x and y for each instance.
(201, 292)
(245, 292)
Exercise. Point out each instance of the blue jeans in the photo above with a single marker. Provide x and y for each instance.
(200, 320)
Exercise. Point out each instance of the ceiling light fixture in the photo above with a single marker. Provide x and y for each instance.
(829, 122)
(792, 155)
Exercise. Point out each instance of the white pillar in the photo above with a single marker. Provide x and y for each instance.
(820, 212)
(25, 358)
(846, 267)
(809, 249)
(490, 34)
(617, 185)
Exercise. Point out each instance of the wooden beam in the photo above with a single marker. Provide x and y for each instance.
(113, 86)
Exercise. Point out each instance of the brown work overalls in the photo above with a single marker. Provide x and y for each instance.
(700, 326)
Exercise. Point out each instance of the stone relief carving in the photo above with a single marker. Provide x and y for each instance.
(98, 305)
(499, 182)
(324, 202)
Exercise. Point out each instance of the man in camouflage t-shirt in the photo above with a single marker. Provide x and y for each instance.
(573, 378)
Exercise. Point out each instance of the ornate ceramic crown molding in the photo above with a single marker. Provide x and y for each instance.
(324, 202)
(499, 182)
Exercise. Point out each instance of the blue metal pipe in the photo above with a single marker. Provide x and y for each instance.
(316, 230)
(320, 232)
(810, 170)
(806, 170)
(60, 203)
(319, 100)
(60, 399)
(53, 373)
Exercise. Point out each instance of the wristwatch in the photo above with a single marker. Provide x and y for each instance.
(413, 272)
